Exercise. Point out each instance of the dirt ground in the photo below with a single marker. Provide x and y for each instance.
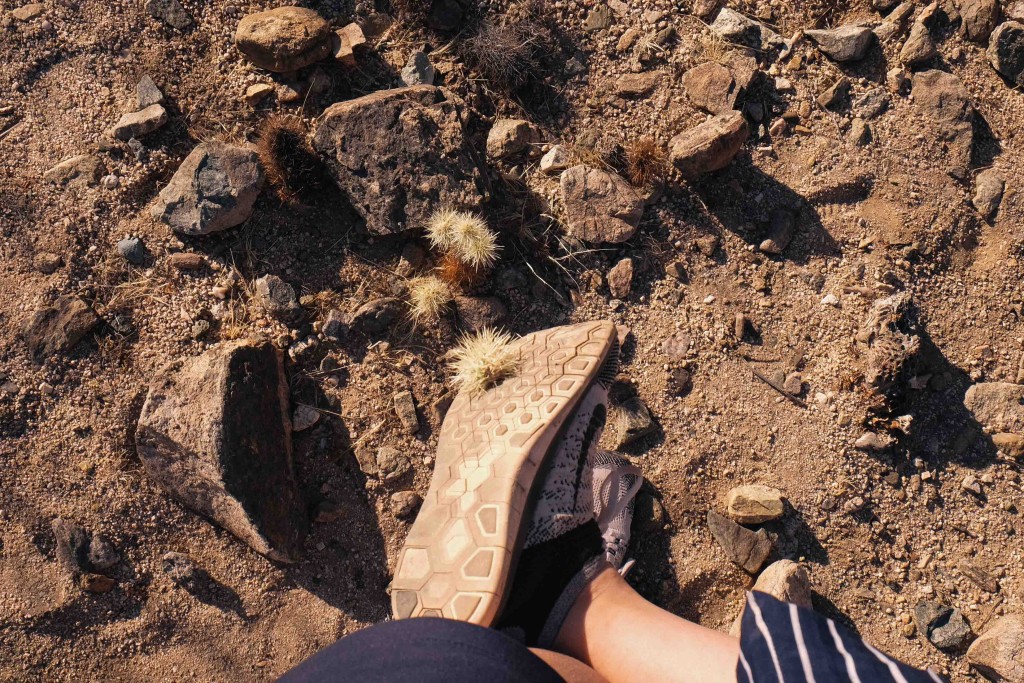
(878, 531)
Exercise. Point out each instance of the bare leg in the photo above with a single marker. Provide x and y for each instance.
(625, 638)
(572, 670)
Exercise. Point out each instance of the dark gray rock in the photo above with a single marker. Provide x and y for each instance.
(620, 278)
(215, 433)
(979, 18)
(71, 546)
(214, 189)
(780, 231)
(709, 146)
(58, 328)
(599, 206)
(284, 38)
(398, 155)
(171, 12)
(945, 627)
(749, 549)
(102, 554)
(335, 325)
(277, 298)
(944, 100)
(1006, 51)
(843, 44)
(132, 250)
(418, 71)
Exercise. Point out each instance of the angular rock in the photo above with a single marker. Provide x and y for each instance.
(215, 433)
(1010, 444)
(599, 206)
(635, 86)
(405, 503)
(56, 329)
(1006, 51)
(919, 47)
(754, 503)
(709, 146)
(391, 463)
(748, 549)
(479, 312)
(871, 103)
(784, 580)
(978, 576)
(599, 18)
(979, 18)
(277, 298)
(511, 139)
(860, 132)
(147, 94)
(376, 315)
(102, 554)
(304, 417)
(711, 87)
(82, 170)
(214, 189)
(71, 546)
(445, 15)
(998, 653)
(556, 159)
(945, 627)
(405, 408)
(284, 38)
(998, 406)
(943, 98)
(843, 44)
(335, 325)
(347, 42)
(630, 422)
(398, 154)
(47, 262)
(418, 70)
(96, 583)
(890, 334)
(171, 12)
(988, 192)
(620, 278)
(736, 28)
(837, 96)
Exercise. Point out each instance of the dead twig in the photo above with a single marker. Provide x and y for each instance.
(775, 385)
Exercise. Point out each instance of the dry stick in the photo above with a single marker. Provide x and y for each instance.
(774, 385)
(998, 601)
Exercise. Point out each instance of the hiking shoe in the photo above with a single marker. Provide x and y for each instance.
(511, 471)
(616, 483)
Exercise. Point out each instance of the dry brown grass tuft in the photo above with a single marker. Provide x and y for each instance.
(646, 162)
(288, 159)
(505, 54)
(483, 360)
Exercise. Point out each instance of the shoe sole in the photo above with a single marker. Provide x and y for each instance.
(461, 551)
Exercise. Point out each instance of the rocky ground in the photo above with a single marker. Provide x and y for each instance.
(225, 332)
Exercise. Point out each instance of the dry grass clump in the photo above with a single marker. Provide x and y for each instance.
(290, 164)
(646, 161)
(505, 54)
(483, 360)
(429, 295)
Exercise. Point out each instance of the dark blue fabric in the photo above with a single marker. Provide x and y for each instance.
(770, 649)
(424, 650)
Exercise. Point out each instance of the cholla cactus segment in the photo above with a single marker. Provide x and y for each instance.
(483, 360)
(428, 297)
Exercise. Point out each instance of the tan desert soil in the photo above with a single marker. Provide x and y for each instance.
(877, 531)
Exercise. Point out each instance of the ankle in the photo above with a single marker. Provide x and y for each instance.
(602, 593)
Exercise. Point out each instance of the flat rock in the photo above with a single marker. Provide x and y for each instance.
(837, 97)
(214, 189)
(978, 576)
(739, 29)
(620, 278)
(147, 94)
(843, 44)
(398, 155)
(277, 297)
(479, 312)
(945, 627)
(754, 503)
(781, 228)
(979, 18)
(556, 159)
(749, 549)
(215, 433)
(47, 262)
(919, 46)
(284, 38)
(28, 12)
(83, 170)
(57, 328)
(636, 86)
(600, 206)
(1006, 51)
(711, 87)
(376, 315)
(171, 12)
(998, 653)
(709, 146)
(511, 139)
(998, 406)
(1010, 444)
(418, 70)
(182, 570)
(988, 192)
(942, 98)
(304, 417)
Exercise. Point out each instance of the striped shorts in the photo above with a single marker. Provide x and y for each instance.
(781, 642)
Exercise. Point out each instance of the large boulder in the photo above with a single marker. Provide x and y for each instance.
(214, 189)
(599, 206)
(1006, 51)
(58, 328)
(999, 652)
(399, 155)
(998, 406)
(284, 38)
(709, 146)
(942, 98)
(215, 432)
